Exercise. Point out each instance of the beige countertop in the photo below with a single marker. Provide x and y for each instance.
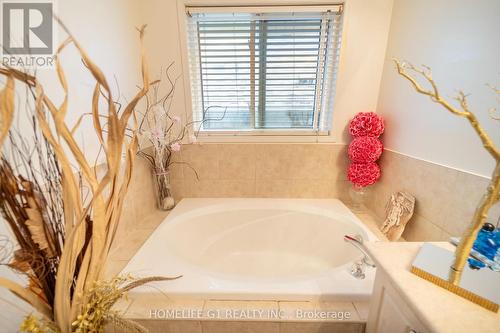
(438, 309)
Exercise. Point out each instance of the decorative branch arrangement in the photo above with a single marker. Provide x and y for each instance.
(161, 134)
(64, 238)
(492, 194)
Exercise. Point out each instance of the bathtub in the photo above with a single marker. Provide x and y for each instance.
(255, 249)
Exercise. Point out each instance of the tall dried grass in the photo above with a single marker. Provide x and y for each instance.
(64, 240)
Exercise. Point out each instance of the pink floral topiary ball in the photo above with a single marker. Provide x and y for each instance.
(363, 174)
(365, 149)
(366, 124)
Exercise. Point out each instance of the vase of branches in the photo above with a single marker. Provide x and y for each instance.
(163, 189)
(161, 135)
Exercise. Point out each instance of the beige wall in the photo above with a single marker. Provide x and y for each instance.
(459, 40)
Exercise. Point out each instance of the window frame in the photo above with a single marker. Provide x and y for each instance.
(251, 135)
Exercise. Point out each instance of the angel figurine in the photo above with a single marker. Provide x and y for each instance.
(399, 211)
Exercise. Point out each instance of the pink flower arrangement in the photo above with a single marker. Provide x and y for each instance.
(365, 149)
(366, 124)
(363, 174)
(176, 146)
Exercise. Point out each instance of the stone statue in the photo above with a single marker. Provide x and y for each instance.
(399, 210)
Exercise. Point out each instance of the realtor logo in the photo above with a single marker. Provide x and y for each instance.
(27, 33)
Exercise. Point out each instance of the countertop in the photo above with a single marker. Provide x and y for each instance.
(438, 309)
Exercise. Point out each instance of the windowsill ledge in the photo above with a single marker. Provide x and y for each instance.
(262, 137)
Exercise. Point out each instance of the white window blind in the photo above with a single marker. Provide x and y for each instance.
(263, 70)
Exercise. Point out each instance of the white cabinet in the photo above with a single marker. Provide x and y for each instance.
(388, 311)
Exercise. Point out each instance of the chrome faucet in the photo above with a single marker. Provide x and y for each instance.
(359, 267)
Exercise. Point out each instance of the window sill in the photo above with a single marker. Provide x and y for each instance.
(305, 136)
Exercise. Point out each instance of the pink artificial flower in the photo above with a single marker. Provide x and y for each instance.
(176, 119)
(366, 124)
(363, 174)
(365, 149)
(157, 133)
(176, 146)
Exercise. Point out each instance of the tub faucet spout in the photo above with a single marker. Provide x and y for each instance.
(359, 267)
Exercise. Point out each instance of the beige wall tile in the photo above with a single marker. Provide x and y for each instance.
(322, 327)
(312, 162)
(226, 310)
(171, 326)
(421, 229)
(127, 244)
(340, 162)
(237, 188)
(494, 215)
(152, 221)
(272, 188)
(242, 170)
(179, 189)
(341, 190)
(142, 190)
(221, 188)
(156, 307)
(363, 308)
(333, 311)
(237, 161)
(275, 162)
(114, 267)
(204, 188)
(465, 198)
(177, 170)
(445, 198)
(202, 158)
(302, 188)
(129, 210)
(235, 326)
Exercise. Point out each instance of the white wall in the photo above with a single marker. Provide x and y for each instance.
(107, 32)
(459, 40)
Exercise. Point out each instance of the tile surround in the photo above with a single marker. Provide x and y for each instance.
(446, 197)
(261, 170)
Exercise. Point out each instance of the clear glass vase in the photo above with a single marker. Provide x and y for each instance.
(163, 189)
(358, 195)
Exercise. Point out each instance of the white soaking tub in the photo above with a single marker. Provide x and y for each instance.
(255, 249)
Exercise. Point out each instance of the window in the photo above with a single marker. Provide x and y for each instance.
(262, 69)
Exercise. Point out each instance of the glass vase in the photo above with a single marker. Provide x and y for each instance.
(161, 180)
(358, 195)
